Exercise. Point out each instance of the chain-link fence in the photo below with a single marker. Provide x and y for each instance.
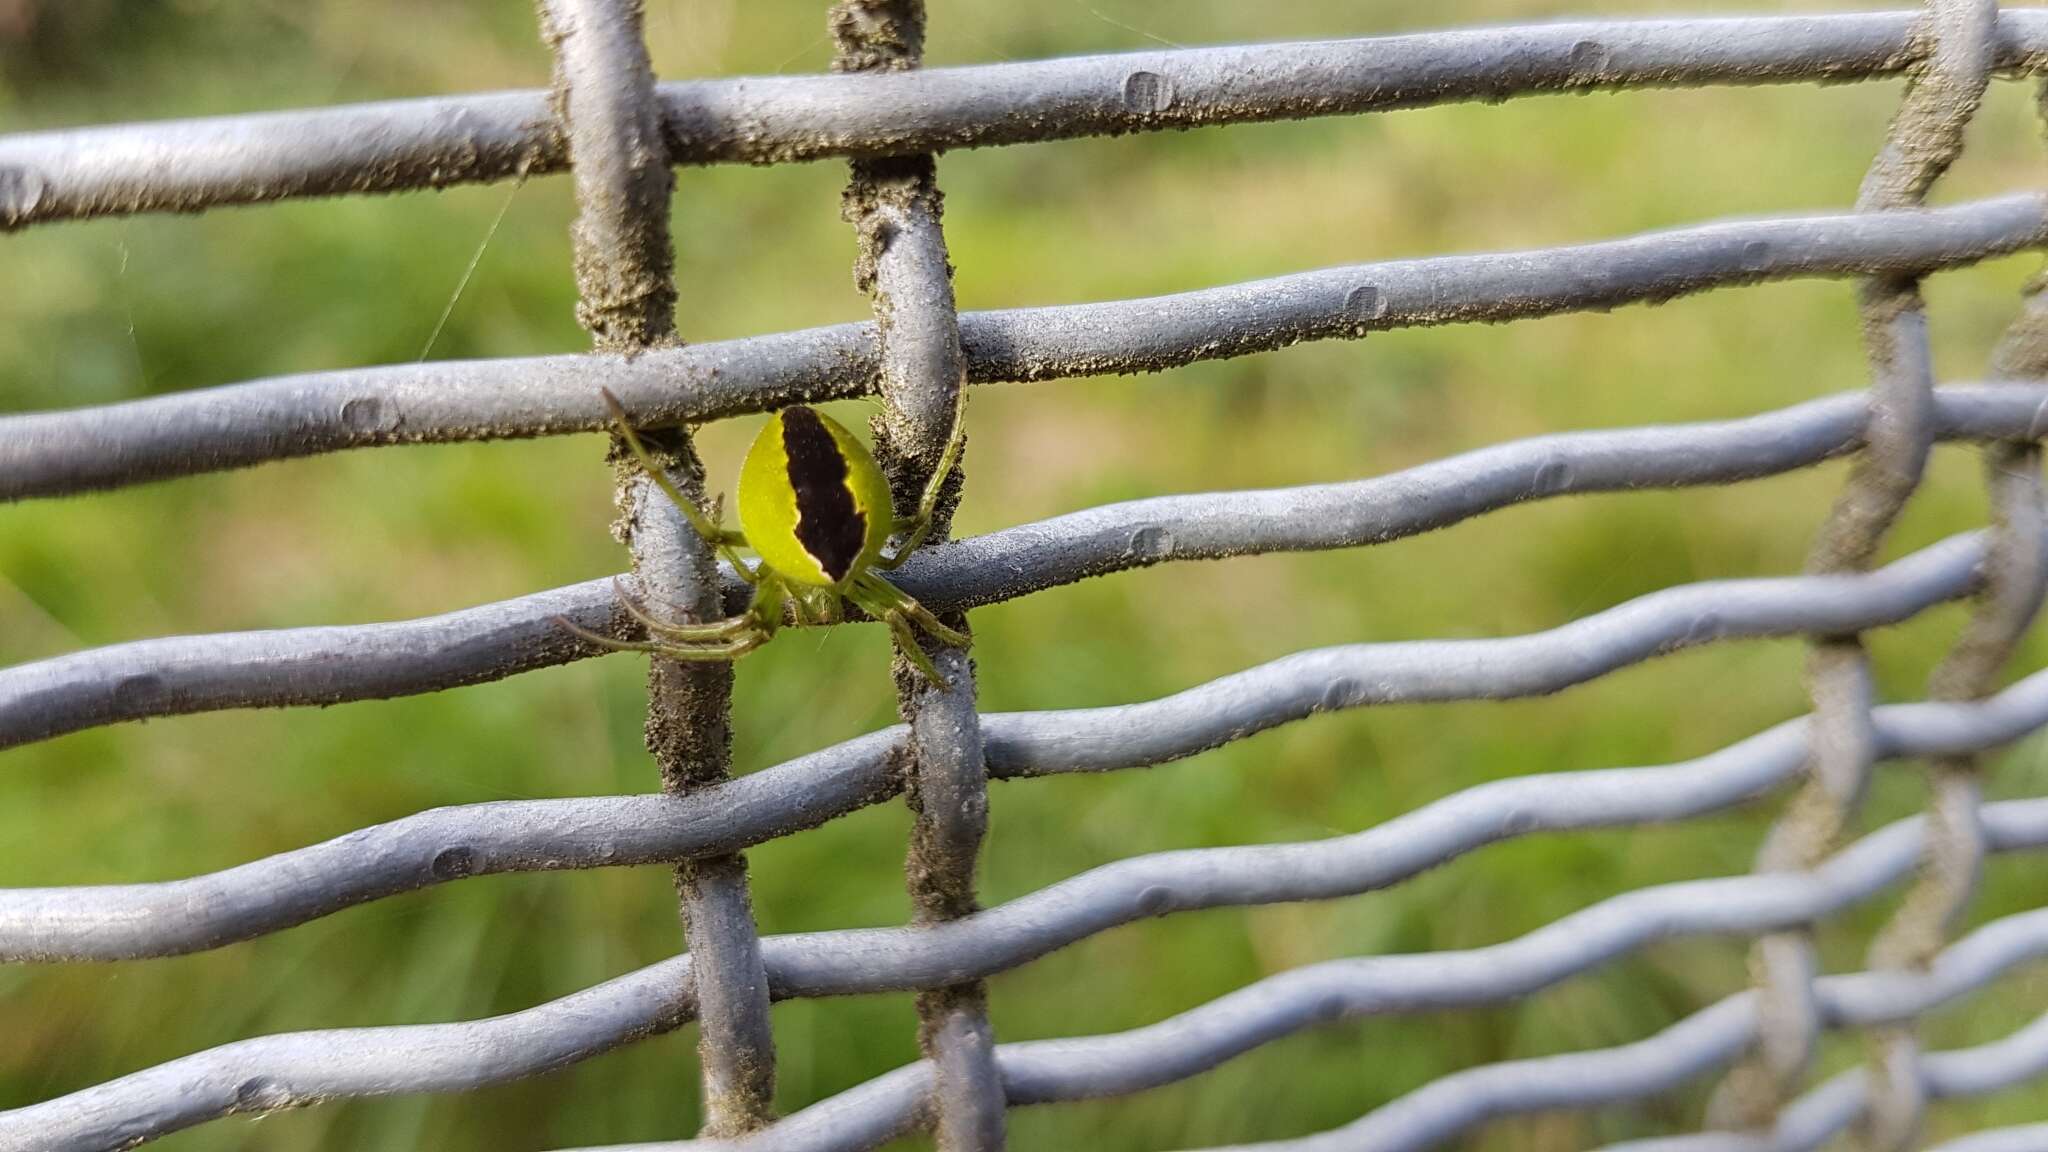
(620, 133)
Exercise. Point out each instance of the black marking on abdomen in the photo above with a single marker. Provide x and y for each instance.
(829, 527)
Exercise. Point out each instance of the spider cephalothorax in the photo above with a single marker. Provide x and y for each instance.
(815, 509)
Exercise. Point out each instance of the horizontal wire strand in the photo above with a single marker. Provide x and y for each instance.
(90, 172)
(130, 921)
(190, 165)
(332, 664)
(298, 1069)
(870, 1113)
(237, 425)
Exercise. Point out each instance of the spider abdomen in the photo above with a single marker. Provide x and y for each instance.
(812, 501)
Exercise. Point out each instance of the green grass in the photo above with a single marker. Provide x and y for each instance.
(104, 311)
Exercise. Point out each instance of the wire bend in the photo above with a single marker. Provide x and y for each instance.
(1925, 137)
(626, 297)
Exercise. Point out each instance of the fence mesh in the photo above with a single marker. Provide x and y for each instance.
(620, 134)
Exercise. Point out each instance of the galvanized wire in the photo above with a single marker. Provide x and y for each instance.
(619, 133)
(1925, 137)
(299, 666)
(1849, 1099)
(894, 205)
(625, 278)
(2015, 582)
(865, 1116)
(181, 434)
(129, 921)
(301, 1068)
(186, 166)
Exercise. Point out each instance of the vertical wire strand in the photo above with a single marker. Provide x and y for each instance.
(2015, 579)
(895, 208)
(625, 276)
(1942, 94)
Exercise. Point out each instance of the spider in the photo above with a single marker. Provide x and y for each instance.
(815, 508)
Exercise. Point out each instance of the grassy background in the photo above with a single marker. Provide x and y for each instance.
(107, 311)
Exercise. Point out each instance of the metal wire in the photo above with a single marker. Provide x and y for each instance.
(2015, 583)
(185, 166)
(1448, 1107)
(1925, 137)
(327, 665)
(82, 449)
(301, 1068)
(619, 133)
(130, 921)
(625, 277)
(894, 205)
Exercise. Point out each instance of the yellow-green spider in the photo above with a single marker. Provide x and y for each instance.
(815, 508)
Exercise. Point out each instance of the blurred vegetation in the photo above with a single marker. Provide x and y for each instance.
(112, 310)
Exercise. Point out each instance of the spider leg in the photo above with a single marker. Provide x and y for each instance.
(914, 529)
(748, 573)
(686, 632)
(724, 640)
(933, 624)
(707, 526)
(880, 591)
(683, 652)
(766, 607)
(887, 603)
(826, 604)
(723, 651)
(602, 641)
(906, 643)
(723, 536)
(814, 606)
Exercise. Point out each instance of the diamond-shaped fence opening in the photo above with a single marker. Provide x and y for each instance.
(620, 134)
